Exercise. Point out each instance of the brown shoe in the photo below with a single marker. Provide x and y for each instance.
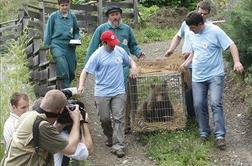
(221, 144)
(109, 142)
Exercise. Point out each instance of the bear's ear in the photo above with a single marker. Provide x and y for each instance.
(152, 86)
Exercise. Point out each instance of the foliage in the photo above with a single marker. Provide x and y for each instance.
(181, 147)
(240, 19)
(9, 8)
(14, 76)
(152, 34)
(80, 53)
(146, 12)
(173, 3)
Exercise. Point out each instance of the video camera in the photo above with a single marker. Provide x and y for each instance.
(64, 117)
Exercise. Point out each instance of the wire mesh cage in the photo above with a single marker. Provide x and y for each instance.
(157, 102)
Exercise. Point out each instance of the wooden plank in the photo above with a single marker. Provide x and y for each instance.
(84, 24)
(42, 89)
(8, 28)
(121, 4)
(49, 10)
(43, 53)
(34, 14)
(87, 8)
(86, 17)
(8, 22)
(60, 84)
(50, 2)
(30, 6)
(35, 60)
(43, 74)
(135, 13)
(29, 50)
(36, 45)
(35, 24)
(34, 75)
(100, 12)
(30, 62)
(52, 71)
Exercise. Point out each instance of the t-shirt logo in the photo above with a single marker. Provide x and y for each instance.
(125, 42)
(118, 60)
(205, 45)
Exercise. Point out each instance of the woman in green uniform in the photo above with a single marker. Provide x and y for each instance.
(60, 29)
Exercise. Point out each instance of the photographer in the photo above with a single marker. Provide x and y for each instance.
(22, 149)
(85, 145)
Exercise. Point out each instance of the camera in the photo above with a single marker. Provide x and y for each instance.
(64, 117)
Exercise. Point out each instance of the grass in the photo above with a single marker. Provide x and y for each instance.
(153, 34)
(178, 148)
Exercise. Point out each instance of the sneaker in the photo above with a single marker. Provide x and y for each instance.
(119, 153)
(109, 142)
(221, 144)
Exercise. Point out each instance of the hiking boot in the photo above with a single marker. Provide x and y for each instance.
(109, 142)
(119, 153)
(221, 144)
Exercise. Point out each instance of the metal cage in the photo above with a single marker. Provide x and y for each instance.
(157, 102)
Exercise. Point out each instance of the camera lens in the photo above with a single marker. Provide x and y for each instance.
(71, 107)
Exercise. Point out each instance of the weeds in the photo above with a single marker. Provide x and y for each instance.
(14, 76)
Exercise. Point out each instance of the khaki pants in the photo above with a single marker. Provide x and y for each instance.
(112, 116)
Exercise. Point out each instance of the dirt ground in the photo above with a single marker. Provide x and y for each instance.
(238, 125)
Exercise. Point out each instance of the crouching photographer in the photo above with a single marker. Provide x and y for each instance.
(85, 146)
(37, 136)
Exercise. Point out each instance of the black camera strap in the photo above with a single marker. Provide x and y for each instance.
(35, 133)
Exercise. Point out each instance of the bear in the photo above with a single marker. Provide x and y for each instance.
(157, 107)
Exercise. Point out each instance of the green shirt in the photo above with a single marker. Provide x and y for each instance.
(22, 152)
(60, 29)
(123, 32)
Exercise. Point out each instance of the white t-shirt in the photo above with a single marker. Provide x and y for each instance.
(81, 152)
(9, 128)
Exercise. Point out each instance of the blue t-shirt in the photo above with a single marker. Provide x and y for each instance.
(108, 70)
(184, 32)
(207, 47)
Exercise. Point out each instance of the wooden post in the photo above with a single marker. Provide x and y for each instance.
(42, 16)
(135, 12)
(100, 12)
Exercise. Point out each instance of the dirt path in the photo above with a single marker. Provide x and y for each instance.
(238, 124)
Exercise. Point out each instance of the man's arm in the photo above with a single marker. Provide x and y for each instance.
(134, 69)
(48, 32)
(83, 78)
(132, 44)
(74, 135)
(235, 54)
(76, 29)
(86, 138)
(174, 44)
(186, 63)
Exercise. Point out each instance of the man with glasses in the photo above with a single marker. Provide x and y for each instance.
(204, 9)
(60, 29)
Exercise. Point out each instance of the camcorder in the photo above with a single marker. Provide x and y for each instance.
(64, 117)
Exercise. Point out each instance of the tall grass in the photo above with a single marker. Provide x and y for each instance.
(14, 77)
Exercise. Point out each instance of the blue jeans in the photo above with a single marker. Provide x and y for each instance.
(200, 97)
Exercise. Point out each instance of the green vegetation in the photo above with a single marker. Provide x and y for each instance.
(240, 18)
(153, 34)
(14, 77)
(178, 148)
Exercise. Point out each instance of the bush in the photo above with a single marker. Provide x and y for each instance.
(161, 3)
(240, 19)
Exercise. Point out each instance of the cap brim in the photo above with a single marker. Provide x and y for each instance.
(113, 42)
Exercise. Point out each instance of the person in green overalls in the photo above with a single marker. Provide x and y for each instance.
(60, 29)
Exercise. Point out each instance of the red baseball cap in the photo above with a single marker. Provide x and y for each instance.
(110, 38)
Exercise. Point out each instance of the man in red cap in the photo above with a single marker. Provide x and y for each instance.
(127, 40)
(107, 64)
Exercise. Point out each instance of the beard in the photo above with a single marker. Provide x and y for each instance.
(115, 23)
